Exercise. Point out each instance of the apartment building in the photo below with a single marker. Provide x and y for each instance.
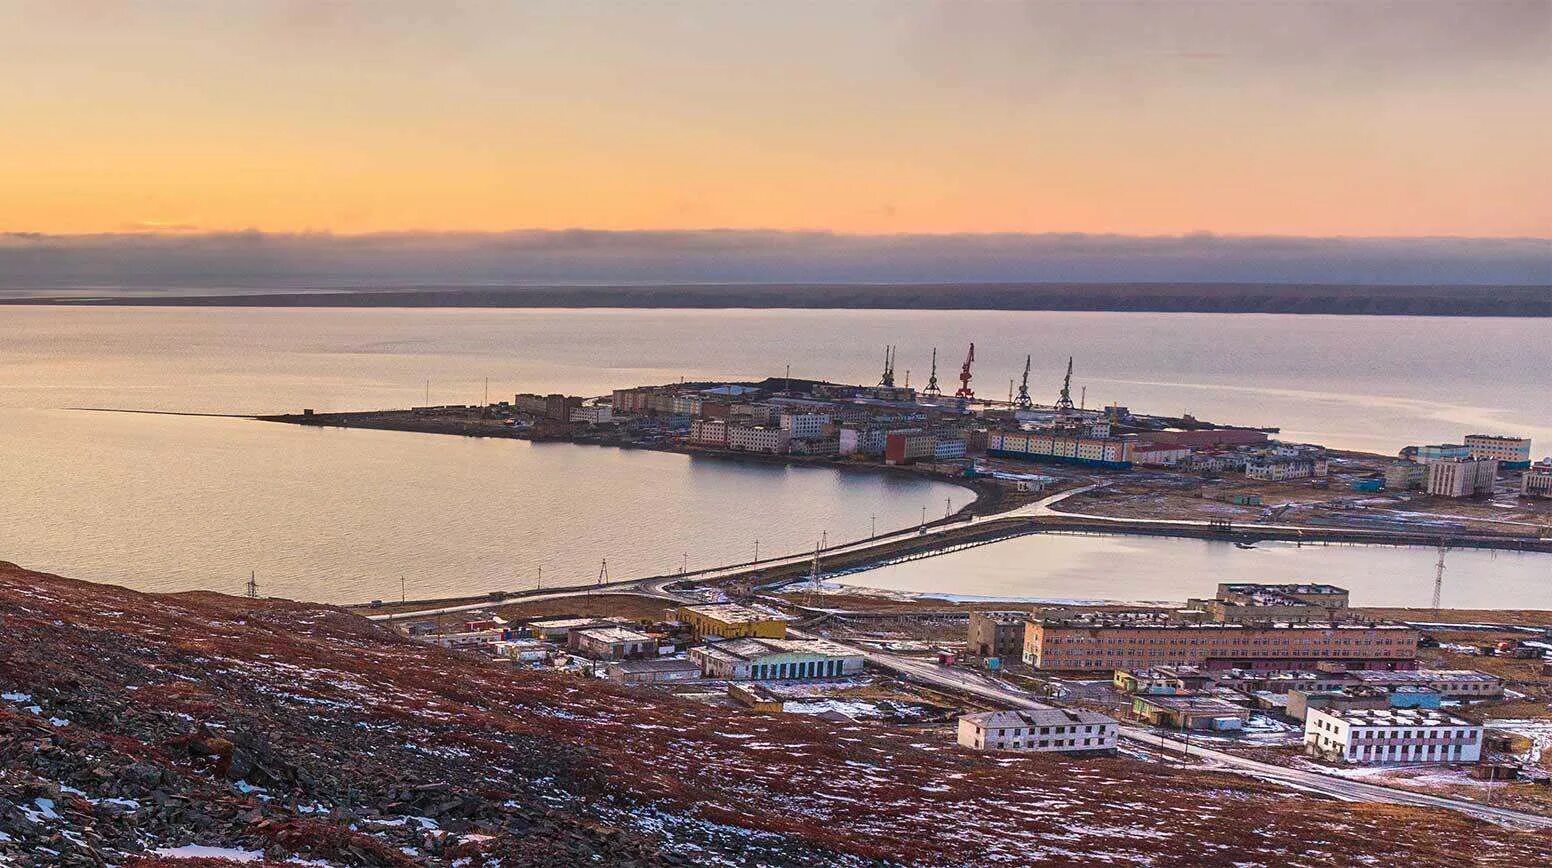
(1248, 602)
(1461, 477)
(1100, 642)
(1440, 452)
(996, 634)
(904, 447)
(1537, 481)
(709, 432)
(1405, 476)
(1459, 684)
(594, 414)
(1054, 730)
(1059, 446)
(1511, 452)
(1375, 736)
(862, 440)
(804, 425)
(758, 438)
(1276, 469)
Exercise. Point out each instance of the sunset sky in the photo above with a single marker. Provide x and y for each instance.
(1276, 118)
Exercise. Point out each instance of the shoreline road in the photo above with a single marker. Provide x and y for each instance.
(1319, 783)
(657, 586)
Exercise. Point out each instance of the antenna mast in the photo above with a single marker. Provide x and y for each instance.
(253, 585)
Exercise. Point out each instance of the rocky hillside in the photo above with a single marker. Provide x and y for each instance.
(132, 724)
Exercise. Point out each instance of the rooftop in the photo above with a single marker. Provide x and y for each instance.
(1281, 588)
(1392, 717)
(1420, 676)
(1036, 717)
(1101, 620)
(668, 664)
(733, 613)
(749, 649)
(1195, 704)
(614, 634)
(562, 623)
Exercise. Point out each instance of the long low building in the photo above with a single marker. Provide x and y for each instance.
(1467, 684)
(1061, 447)
(754, 659)
(1102, 642)
(653, 671)
(732, 621)
(1391, 735)
(1054, 730)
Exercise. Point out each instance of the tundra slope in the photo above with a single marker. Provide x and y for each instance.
(133, 722)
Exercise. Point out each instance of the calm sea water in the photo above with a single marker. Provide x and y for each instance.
(177, 502)
(1136, 568)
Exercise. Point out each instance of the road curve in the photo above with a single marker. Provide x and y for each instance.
(1320, 783)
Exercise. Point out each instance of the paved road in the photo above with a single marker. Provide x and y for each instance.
(1334, 786)
(657, 586)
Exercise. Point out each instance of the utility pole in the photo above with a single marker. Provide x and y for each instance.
(428, 392)
(924, 519)
(403, 595)
(873, 525)
(684, 564)
(487, 392)
(948, 507)
(757, 550)
(541, 577)
(253, 585)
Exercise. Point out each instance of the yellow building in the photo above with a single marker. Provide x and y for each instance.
(732, 621)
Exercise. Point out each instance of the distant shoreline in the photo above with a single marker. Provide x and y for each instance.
(1345, 300)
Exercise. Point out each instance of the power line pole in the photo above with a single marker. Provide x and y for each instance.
(253, 586)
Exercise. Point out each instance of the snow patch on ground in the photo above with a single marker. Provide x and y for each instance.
(199, 851)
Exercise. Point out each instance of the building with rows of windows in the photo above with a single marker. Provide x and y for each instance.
(1056, 730)
(1374, 736)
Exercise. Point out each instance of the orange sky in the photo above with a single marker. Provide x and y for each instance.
(1323, 119)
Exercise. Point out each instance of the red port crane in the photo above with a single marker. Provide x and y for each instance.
(965, 392)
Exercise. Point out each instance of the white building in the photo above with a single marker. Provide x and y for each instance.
(758, 438)
(688, 405)
(862, 440)
(1151, 454)
(1059, 730)
(1461, 477)
(1537, 480)
(802, 426)
(612, 643)
(709, 432)
(1277, 470)
(948, 448)
(595, 414)
(776, 659)
(1511, 451)
(1373, 736)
